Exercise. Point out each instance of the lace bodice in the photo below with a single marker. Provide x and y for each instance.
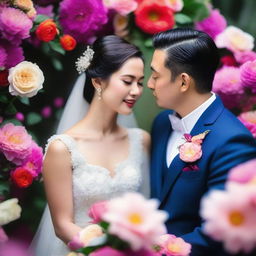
(92, 183)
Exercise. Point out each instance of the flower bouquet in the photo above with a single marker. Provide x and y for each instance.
(125, 226)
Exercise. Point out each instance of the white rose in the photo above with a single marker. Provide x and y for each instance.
(25, 79)
(9, 211)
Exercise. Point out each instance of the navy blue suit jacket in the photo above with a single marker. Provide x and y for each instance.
(228, 144)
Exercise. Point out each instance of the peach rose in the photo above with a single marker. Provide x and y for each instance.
(25, 79)
(190, 152)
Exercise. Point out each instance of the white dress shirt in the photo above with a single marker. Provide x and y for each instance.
(181, 126)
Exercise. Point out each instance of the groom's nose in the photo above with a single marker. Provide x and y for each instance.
(150, 83)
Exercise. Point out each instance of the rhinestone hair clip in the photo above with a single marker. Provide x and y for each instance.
(84, 61)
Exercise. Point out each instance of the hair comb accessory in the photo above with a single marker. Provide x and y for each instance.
(84, 61)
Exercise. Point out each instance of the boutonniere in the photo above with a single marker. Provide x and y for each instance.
(191, 150)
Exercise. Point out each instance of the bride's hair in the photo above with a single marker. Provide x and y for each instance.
(110, 53)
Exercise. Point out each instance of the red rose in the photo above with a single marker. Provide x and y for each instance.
(228, 60)
(4, 78)
(22, 177)
(46, 31)
(154, 16)
(68, 42)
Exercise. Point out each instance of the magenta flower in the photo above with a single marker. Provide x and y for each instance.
(46, 10)
(244, 173)
(249, 121)
(58, 102)
(212, 25)
(46, 111)
(248, 75)
(227, 84)
(107, 251)
(3, 236)
(230, 217)
(34, 162)
(15, 25)
(242, 57)
(3, 56)
(19, 116)
(82, 19)
(15, 143)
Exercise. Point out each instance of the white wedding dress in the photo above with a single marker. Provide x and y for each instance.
(92, 183)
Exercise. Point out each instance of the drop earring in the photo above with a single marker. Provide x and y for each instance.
(99, 92)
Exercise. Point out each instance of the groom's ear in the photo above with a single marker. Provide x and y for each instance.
(185, 80)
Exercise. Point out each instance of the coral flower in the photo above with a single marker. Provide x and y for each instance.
(46, 31)
(68, 42)
(249, 120)
(22, 177)
(248, 75)
(139, 225)
(230, 217)
(15, 143)
(190, 152)
(154, 16)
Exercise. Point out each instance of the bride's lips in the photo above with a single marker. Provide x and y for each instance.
(130, 103)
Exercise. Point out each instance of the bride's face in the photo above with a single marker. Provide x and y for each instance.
(124, 87)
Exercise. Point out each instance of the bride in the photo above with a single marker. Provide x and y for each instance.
(97, 158)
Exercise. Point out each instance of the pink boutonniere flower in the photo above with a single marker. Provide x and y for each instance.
(191, 150)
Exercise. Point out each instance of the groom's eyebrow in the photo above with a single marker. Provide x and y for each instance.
(153, 69)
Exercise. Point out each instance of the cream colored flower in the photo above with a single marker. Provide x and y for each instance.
(9, 211)
(89, 233)
(25, 79)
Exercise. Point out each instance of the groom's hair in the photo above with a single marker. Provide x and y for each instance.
(110, 53)
(189, 51)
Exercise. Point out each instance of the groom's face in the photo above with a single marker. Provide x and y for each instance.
(166, 91)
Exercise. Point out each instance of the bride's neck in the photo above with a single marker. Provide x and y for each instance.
(101, 119)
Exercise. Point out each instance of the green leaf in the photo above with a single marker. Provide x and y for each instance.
(148, 42)
(24, 100)
(182, 18)
(55, 46)
(33, 118)
(3, 99)
(13, 121)
(40, 18)
(10, 109)
(196, 9)
(4, 188)
(57, 64)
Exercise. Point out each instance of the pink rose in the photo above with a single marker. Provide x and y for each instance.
(97, 210)
(190, 152)
(107, 251)
(3, 236)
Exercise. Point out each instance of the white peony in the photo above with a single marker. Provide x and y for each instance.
(9, 211)
(25, 79)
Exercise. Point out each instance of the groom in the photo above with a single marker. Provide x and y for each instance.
(183, 68)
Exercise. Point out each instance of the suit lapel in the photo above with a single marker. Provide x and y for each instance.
(205, 121)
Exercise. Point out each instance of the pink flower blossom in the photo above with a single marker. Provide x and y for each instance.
(173, 246)
(107, 251)
(3, 236)
(176, 5)
(15, 143)
(227, 84)
(82, 19)
(244, 173)
(19, 116)
(46, 111)
(135, 220)
(46, 10)
(230, 217)
(58, 102)
(15, 25)
(12, 248)
(242, 57)
(122, 7)
(190, 152)
(3, 57)
(235, 39)
(213, 25)
(249, 121)
(97, 210)
(248, 75)
(34, 161)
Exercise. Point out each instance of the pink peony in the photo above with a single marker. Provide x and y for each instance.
(15, 143)
(107, 251)
(3, 236)
(248, 75)
(82, 19)
(15, 25)
(3, 57)
(170, 245)
(228, 86)
(123, 7)
(242, 57)
(135, 220)
(190, 152)
(230, 217)
(235, 40)
(97, 210)
(47, 10)
(249, 121)
(34, 161)
(213, 25)
(244, 173)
